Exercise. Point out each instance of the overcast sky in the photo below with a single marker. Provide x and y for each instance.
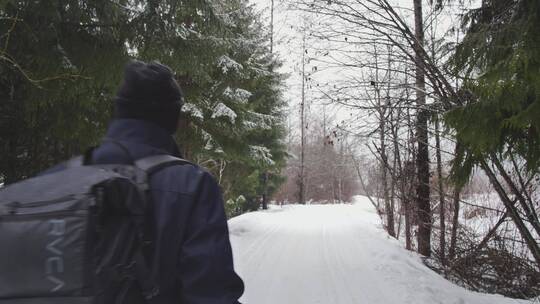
(288, 46)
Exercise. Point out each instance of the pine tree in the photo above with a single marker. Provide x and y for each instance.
(61, 63)
(500, 60)
(502, 48)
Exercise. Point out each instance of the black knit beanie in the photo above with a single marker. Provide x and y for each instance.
(149, 92)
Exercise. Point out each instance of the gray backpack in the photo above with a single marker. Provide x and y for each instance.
(80, 235)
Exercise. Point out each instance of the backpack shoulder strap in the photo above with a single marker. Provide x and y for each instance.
(152, 164)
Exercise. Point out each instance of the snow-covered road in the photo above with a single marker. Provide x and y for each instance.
(334, 254)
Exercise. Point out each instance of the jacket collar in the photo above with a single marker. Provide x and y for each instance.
(142, 132)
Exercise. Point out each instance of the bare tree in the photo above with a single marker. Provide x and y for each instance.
(422, 159)
(442, 223)
(348, 30)
(302, 176)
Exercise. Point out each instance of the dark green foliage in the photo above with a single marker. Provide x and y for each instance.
(500, 60)
(59, 67)
(235, 109)
(61, 62)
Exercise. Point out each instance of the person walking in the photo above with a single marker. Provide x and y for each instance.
(192, 259)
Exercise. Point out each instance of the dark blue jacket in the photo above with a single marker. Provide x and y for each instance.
(193, 252)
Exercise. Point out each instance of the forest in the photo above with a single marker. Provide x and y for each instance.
(430, 109)
(61, 63)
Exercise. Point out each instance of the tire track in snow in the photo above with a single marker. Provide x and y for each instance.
(336, 254)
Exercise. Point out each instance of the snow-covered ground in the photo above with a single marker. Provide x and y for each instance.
(334, 254)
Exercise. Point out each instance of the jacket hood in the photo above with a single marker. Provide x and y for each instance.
(144, 133)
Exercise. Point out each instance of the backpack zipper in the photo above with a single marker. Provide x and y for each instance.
(15, 206)
(18, 205)
(14, 216)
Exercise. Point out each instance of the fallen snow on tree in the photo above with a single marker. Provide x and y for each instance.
(206, 136)
(185, 32)
(263, 125)
(258, 120)
(193, 110)
(211, 144)
(261, 154)
(250, 125)
(221, 110)
(227, 64)
(335, 254)
(239, 95)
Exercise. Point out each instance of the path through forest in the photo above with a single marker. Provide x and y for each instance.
(334, 254)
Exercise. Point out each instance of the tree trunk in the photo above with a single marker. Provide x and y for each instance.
(393, 200)
(422, 160)
(340, 172)
(265, 191)
(302, 178)
(11, 174)
(455, 223)
(381, 108)
(397, 168)
(442, 239)
(384, 172)
(406, 205)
